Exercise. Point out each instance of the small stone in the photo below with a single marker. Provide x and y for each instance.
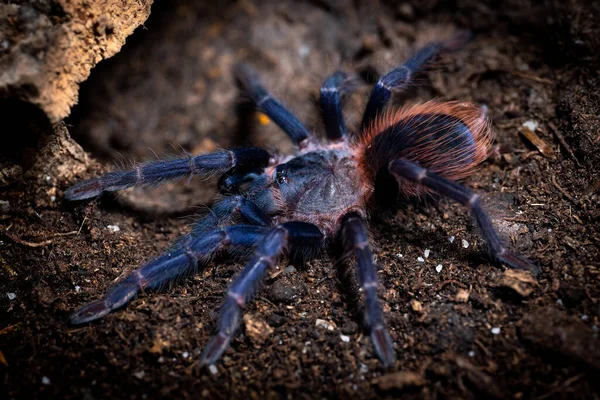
(451, 239)
(584, 317)
(416, 306)
(77, 289)
(139, 374)
(438, 268)
(113, 228)
(462, 296)
(213, 370)
(531, 125)
(289, 270)
(465, 244)
(420, 259)
(426, 253)
(185, 354)
(45, 380)
(399, 255)
(321, 323)
(345, 338)
(495, 331)
(471, 354)
(4, 206)
(11, 296)
(256, 329)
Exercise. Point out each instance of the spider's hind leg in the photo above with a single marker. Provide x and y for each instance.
(404, 169)
(400, 77)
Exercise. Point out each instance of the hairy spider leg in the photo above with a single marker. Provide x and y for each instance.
(400, 77)
(408, 170)
(197, 247)
(396, 79)
(277, 241)
(331, 106)
(355, 237)
(266, 103)
(157, 172)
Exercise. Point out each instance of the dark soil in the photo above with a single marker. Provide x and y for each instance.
(472, 330)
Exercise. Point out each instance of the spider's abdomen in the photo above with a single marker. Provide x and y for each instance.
(450, 139)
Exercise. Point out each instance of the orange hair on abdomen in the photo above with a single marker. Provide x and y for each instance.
(449, 138)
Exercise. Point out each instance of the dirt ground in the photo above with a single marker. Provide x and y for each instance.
(467, 329)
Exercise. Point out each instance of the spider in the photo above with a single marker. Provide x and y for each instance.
(296, 205)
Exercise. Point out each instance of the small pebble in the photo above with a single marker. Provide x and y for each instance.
(78, 289)
(465, 244)
(113, 228)
(438, 268)
(139, 374)
(185, 354)
(426, 253)
(495, 331)
(451, 239)
(288, 270)
(11, 296)
(584, 317)
(45, 380)
(213, 370)
(362, 368)
(399, 255)
(471, 353)
(420, 259)
(531, 125)
(321, 323)
(345, 338)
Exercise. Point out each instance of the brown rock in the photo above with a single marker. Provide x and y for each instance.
(48, 49)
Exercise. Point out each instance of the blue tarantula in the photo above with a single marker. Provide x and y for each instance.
(320, 195)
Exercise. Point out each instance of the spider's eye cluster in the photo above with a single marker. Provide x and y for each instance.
(281, 177)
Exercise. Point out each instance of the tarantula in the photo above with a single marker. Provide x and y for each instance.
(276, 205)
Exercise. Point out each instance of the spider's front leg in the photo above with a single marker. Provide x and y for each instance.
(404, 169)
(278, 240)
(197, 247)
(355, 238)
(331, 96)
(265, 102)
(156, 172)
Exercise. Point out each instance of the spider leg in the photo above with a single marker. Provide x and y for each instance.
(278, 240)
(400, 77)
(355, 237)
(396, 79)
(265, 102)
(156, 172)
(404, 169)
(331, 106)
(196, 248)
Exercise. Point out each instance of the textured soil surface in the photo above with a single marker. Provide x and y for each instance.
(463, 327)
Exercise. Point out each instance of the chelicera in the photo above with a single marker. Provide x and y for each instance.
(276, 205)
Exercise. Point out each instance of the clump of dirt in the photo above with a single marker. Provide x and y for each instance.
(463, 327)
